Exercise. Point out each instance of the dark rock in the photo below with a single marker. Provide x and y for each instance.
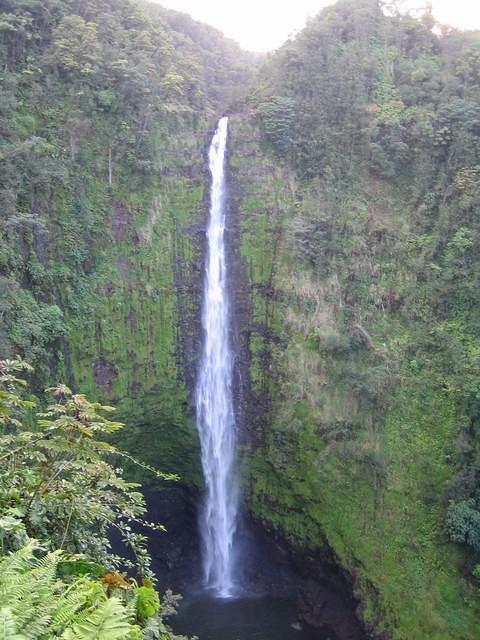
(323, 591)
(104, 373)
(124, 265)
(121, 220)
(176, 551)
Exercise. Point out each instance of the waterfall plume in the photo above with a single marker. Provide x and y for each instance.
(214, 398)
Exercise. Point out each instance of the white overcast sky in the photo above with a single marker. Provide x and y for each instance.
(263, 25)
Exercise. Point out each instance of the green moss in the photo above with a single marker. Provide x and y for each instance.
(357, 449)
(133, 324)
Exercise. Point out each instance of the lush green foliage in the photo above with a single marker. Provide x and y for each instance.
(103, 112)
(373, 371)
(40, 601)
(359, 224)
(59, 498)
(57, 483)
(89, 94)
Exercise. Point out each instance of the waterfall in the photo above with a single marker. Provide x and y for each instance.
(214, 400)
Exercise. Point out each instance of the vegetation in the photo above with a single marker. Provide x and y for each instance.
(103, 112)
(42, 598)
(372, 438)
(103, 109)
(355, 167)
(60, 497)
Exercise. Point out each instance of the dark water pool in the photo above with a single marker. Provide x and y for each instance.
(246, 618)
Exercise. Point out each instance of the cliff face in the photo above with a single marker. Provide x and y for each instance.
(105, 113)
(137, 349)
(259, 199)
(364, 321)
(348, 450)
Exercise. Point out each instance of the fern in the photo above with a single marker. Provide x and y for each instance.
(108, 622)
(148, 602)
(35, 604)
(7, 626)
(68, 605)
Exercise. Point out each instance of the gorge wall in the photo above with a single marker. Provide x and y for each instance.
(327, 467)
(106, 110)
(364, 275)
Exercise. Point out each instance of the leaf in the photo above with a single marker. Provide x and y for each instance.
(82, 566)
(108, 622)
(116, 579)
(7, 626)
(148, 602)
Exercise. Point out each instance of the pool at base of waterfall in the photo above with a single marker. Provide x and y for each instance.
(242, 618)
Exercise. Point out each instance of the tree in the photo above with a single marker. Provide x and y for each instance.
(58, 498)
(278, 120)
(75, 49)
(57, 484)
(463, 523)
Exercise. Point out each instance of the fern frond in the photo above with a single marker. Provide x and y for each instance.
(108, 622)
(39, 624)
(13, 590)
(19, 560)
(68, 605)
(7, 626)
(131, 606)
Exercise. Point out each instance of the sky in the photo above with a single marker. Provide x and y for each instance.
(263, 25)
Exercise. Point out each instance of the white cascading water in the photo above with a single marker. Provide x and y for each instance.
(214, 399)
